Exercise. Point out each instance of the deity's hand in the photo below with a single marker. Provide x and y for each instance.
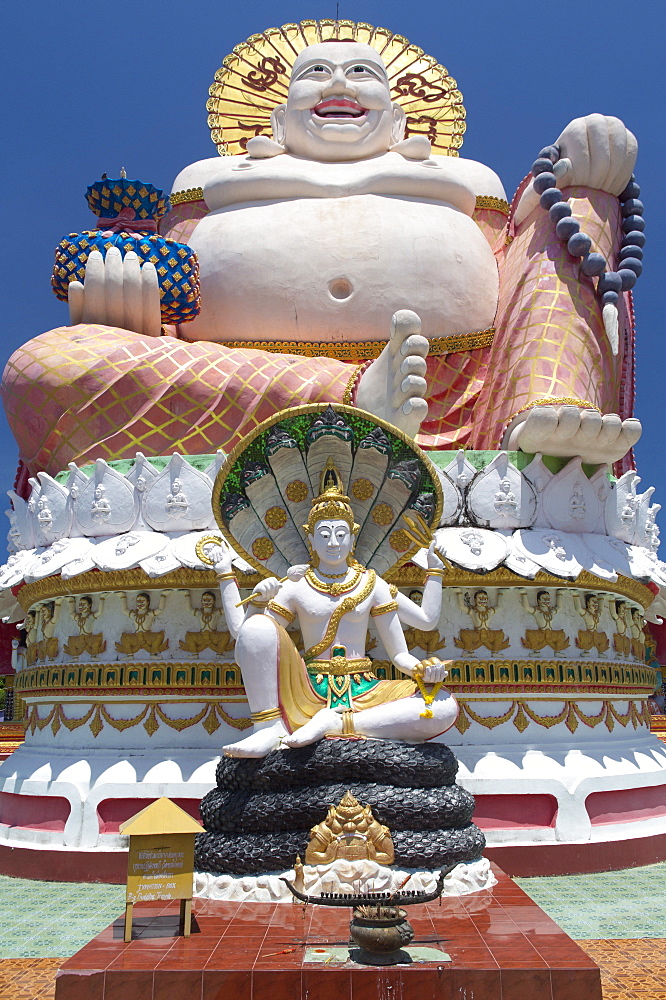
(266, 590)
(296, 573)
(433, 560)
(393, 386)
(599, 152)
(221, 556)
(432, 670)
(117, 292)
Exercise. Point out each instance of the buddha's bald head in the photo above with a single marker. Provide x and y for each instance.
(339, 105)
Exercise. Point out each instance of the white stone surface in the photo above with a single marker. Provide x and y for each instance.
(343, 876)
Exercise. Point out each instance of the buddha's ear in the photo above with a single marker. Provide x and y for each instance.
(278, 123)
(399, 122)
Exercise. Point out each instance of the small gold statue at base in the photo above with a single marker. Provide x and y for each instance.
(350, 831)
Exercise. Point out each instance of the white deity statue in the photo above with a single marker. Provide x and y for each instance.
(333, 690)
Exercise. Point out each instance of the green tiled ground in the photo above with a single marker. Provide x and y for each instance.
(624, 904)
(55, 919)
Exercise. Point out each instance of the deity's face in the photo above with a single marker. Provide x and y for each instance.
(592, 603)
(85, 607)
(176, 486)
(332, 541)
(637, 616)
(208, 601)
(142, 603)
(45, 613)
(481, 599)
(339, 105)
(543, 602)
(99, 492)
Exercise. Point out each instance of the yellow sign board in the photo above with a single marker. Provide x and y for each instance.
(160, 867)
(160, 863)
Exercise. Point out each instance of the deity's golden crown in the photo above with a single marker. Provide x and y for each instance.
(331, 504)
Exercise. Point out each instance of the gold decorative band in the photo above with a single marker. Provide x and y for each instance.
(495, 677)
(348, 728)
(282, 611)
(189, 194)
(384, 609)
(267, 715)
(557, 401)
(364, 350)
(542, 678)
(486, 201)
(340, 666)
(351, 385)
(572, 714)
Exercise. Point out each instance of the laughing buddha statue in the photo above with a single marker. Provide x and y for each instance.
(342, 260)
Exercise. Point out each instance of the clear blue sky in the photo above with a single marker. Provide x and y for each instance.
(90, 87)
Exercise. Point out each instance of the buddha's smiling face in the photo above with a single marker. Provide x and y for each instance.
(339, 105)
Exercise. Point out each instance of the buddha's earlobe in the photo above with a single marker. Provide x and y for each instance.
(262, 147)
(278, 124)
(398, 125)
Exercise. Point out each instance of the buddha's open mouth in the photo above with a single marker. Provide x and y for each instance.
(339, 109)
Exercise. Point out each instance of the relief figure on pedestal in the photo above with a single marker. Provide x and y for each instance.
(620, 612)
(31, 629)
(480, 611)
(210, 635)
(144, 618)
(591, 637)
(543, 635)
(86, 641)
(48, 647)
(638, 634)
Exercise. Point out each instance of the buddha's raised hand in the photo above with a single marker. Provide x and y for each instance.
(117, 292)
(595, 152)
(393, 386)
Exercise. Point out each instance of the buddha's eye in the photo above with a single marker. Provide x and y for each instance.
(360, 69)
(318, 69)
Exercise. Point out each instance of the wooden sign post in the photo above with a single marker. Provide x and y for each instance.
(160, 864)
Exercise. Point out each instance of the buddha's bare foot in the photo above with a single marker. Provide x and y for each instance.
(258, 744)
(325, 722)
(393, 386)
(568, 432)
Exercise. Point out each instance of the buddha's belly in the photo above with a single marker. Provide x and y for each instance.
(337, 269)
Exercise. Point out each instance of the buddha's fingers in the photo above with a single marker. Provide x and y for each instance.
(132, 294)
(75, 300)
(93, 290)
(113, 287)
(150, 294)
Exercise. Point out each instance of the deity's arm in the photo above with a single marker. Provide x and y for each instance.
(427, 615)
(230, 596)
(283, 607)
(392, 636)
(160, 607)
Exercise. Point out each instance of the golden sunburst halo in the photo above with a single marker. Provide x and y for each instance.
(254, 78)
